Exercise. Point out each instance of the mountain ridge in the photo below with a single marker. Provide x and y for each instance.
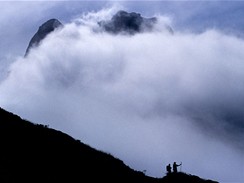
(35, 153)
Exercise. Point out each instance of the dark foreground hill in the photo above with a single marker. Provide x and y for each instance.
(35, 153)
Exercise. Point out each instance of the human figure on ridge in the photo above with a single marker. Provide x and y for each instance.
(175, 167)
(168, 168)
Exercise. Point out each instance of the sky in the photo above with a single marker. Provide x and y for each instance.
(149, 99)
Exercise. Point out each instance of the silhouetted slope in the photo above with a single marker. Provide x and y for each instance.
(34, 153)
(184, 178)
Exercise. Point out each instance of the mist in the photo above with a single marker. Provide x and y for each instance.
(149, 99)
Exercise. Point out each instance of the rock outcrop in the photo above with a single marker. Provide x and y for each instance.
(130, 23)
(43, 31)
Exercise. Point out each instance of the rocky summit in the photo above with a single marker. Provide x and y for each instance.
(43, 31)
(130, 23)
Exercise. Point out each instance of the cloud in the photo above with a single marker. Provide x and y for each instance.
(149, 99)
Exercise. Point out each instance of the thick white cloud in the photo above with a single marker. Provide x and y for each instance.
(149, 99)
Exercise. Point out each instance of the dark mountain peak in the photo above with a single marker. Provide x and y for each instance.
(130, 23)
(49, 26)
(42, 32)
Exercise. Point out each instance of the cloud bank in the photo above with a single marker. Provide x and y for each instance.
(149, 99)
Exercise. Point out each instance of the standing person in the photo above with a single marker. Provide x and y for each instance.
(168, 168)
(175, 167)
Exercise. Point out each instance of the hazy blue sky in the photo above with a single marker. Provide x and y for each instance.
(149, 99)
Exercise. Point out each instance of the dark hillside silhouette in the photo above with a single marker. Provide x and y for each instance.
(35, 153)
(183, 177)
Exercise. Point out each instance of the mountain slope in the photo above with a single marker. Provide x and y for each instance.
(183, 177)
(35, 153)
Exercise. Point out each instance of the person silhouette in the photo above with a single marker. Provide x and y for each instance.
(168, 168)
(175, 167)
